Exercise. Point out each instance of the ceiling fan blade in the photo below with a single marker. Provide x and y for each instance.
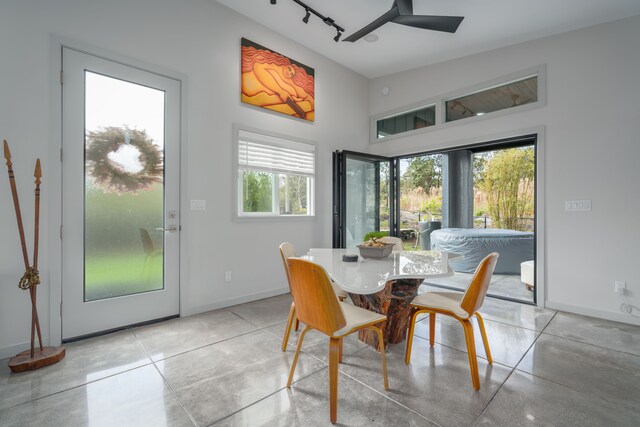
(447, 24)
(405, 7)
(387, 17)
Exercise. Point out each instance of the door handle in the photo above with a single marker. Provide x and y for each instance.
(170, 228)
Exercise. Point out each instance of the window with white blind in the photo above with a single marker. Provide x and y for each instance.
(275, 175)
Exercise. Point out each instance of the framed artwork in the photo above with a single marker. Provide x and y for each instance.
(273, 81)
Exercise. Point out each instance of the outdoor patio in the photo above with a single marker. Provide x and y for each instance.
(504, 285)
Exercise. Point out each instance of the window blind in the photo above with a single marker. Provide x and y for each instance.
(271, 154)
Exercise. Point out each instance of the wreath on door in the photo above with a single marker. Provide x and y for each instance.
(110, 172)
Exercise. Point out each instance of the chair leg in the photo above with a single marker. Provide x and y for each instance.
(485, 341)
(287, 329)
(340, 350)
(297, 324)
(432, 328)
(471, 351)
(334, 350)
(295, 358)
(412, 325)
(383, 356)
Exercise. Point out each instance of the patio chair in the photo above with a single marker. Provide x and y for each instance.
(397, 242)
(150, 252)
(319, 309)
(460, 306)
(288, 251)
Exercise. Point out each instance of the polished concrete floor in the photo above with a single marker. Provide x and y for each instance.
(504, 285)
(225, 368)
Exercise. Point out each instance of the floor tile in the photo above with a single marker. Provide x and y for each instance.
(508, 285)
(85, 361)
(134, 398)
(507, 343)
(604, 333)
(175, 336)
(511, 313)
(525, 400)
(265, 312)
(316, 343)
(516, 314)
(218, 380)
(597, 371)
(307, 404)
(437, 383)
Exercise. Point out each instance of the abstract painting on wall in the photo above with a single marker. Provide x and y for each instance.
(273, 81)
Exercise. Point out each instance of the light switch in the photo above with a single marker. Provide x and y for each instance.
(198, 205)
(577, 205)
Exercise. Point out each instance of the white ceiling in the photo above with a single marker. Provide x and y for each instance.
(488, 24)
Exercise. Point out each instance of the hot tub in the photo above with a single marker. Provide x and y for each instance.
(513, 246)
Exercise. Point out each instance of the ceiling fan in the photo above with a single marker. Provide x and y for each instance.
(402, 13)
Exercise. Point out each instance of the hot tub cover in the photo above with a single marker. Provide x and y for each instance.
(513, 246)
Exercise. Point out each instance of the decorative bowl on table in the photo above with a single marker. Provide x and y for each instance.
(375, 249)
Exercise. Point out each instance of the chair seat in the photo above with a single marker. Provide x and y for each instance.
(340, 293)
(355, 317)
(449, 301)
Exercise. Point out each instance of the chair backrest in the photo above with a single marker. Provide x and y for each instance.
(316, 302)
(147, 244)
(287, 251)
(475, 293)
(397, 242)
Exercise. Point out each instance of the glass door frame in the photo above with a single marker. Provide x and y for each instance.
(339, 192)
(171, 204)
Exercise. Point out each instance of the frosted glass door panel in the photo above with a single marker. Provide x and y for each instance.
(124, 188)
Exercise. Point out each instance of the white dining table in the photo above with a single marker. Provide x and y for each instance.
(368, 275)
(386, 285)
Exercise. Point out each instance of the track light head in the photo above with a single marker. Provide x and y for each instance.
(306, 17)
(274, 1)
(337, 37)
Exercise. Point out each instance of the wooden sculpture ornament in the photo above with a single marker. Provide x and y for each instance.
(43, 356)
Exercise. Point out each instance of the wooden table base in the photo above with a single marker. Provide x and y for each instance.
(394, 301)
(48, 356)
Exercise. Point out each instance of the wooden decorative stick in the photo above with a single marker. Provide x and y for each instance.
(30, 278)
(16, 204)
(36, 237)
(29, 359)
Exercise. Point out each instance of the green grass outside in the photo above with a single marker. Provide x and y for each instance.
(112, 275)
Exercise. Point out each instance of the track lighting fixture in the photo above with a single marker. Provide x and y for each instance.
(327, 20)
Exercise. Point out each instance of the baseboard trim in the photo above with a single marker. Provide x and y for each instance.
(13, 349)
(189, 311)
(592, 312)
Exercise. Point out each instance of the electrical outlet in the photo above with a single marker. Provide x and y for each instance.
(227, 276)
(620, 287)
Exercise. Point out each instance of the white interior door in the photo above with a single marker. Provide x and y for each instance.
(120, 235)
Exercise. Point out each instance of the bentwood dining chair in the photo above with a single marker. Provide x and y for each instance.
(319, 309)
(397, 242)
(460, 306)
(288, 251)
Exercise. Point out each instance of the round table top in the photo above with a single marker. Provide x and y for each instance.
(368, 276)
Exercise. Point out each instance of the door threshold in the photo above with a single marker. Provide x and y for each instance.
(121, 328)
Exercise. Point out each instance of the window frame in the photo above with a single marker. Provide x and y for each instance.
(440, 102)
(238, 214)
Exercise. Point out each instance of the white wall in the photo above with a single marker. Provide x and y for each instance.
(592, 143)
(201, 40)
